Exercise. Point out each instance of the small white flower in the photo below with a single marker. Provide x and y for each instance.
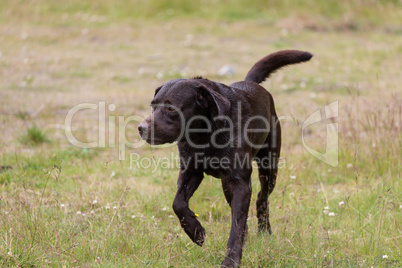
(94, 202)
(165, 208)
(331, 214)
(292, 177)
(326, 210)
(10, 253)
(107, 207)
(385, 256)
(92, 212)
(112, 174)
(341, 204)
(400, 206)
(62, 205)
(349, 165)
(133, 216)
(79, 212)
(114, 207)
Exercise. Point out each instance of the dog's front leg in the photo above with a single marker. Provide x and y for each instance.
(187, 183)
(238, 194)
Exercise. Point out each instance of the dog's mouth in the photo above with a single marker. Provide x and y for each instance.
(153, 141)
(150, 140)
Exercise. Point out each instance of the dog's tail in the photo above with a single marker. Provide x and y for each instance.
(269, 64)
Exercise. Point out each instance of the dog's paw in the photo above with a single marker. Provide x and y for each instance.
(264, 229)
(230, 263)
(199, 238)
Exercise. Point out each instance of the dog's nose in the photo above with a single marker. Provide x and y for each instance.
(143, 129)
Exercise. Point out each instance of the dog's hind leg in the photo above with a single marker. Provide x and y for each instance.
(267, 159)
(187, 183)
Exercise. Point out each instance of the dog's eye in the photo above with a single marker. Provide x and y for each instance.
(170, 108)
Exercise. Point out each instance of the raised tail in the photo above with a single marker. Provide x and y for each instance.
(269, 64)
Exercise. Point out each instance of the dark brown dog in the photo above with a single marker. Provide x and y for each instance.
(220, 130)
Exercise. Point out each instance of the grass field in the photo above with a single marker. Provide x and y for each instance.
(63, 206)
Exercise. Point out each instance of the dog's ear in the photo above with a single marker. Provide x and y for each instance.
(157, 90)
(211, 100)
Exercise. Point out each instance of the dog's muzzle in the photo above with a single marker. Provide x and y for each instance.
(143, 130)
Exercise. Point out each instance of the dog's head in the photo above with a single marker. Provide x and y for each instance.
(180, 108)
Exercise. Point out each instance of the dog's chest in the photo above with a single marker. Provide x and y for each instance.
(214, 164)
(213, 172)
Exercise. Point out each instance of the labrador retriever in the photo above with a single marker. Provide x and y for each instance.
(219, 131)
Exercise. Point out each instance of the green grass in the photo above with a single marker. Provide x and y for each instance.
(34, 135)
(55, 55)
(142, 228)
